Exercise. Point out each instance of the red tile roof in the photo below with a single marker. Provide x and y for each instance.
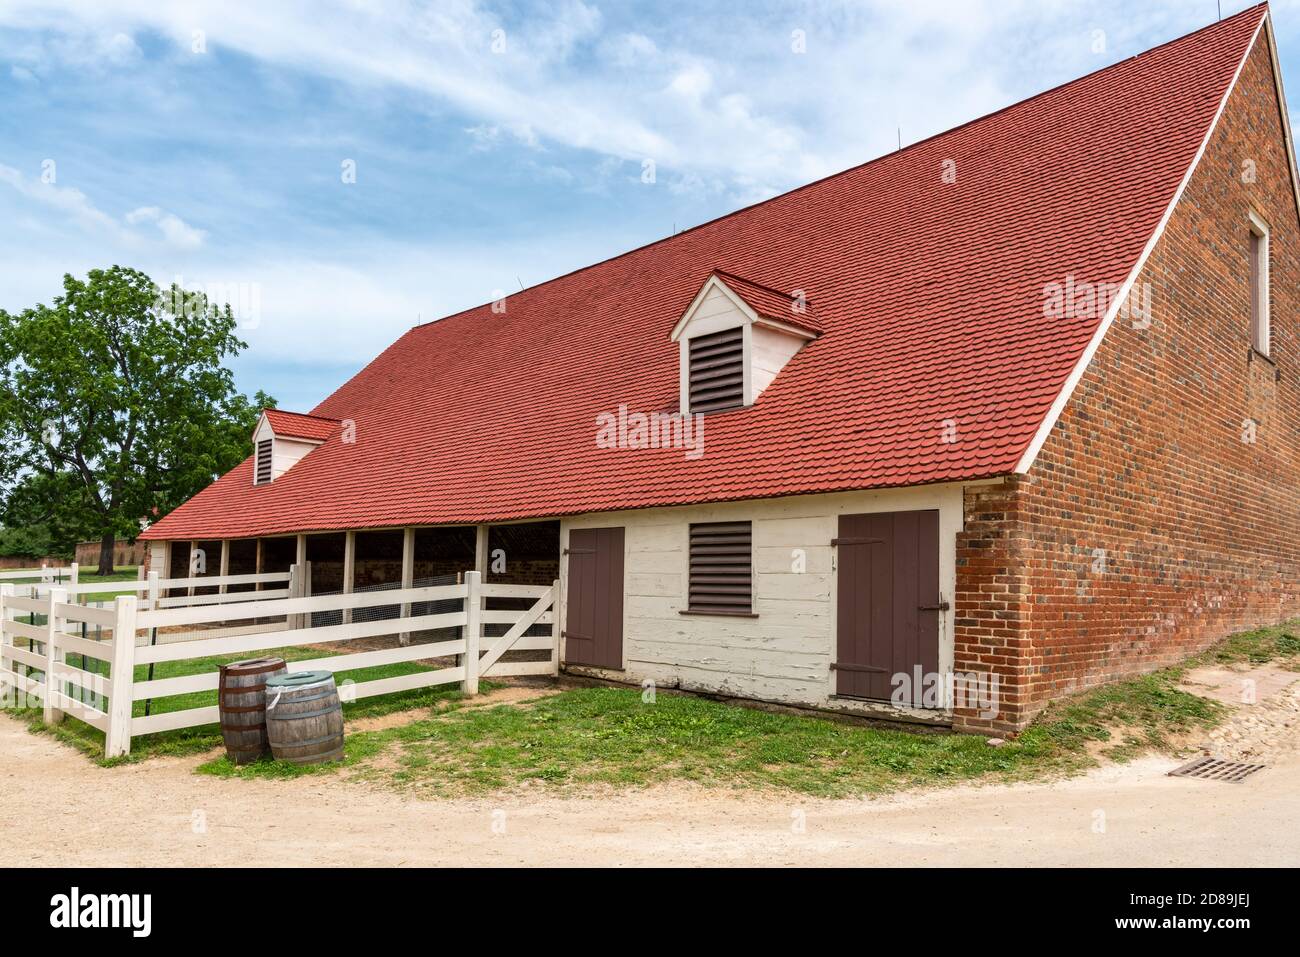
(296, 425)
(930, 294)
(793, 307)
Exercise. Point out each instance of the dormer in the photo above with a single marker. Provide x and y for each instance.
(734, 338)
(282, 439)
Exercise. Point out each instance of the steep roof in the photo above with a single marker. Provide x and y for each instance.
(929, 290)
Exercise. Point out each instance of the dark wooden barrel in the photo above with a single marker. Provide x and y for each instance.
(242, 704)
(304, 719)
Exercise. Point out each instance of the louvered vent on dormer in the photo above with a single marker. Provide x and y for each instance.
(262, 469)
(717, 371)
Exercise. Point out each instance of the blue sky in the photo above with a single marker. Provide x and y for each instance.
(494, 144)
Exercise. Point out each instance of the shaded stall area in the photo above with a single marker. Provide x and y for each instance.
(241, 559)
(524, 554)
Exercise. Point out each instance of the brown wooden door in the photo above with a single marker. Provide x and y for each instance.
(593, 625)
(887, 613)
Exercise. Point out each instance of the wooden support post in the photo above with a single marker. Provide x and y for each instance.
(555, 628)
(118, 740)
(189, 569)
(52, 714)
(225, 564)
(300, 559)
(408, 577)
(481, 550)
(473, 632)
(349, 569)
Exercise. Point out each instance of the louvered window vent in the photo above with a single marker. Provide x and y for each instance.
(721, 576)
(262, 473)
(717, 373)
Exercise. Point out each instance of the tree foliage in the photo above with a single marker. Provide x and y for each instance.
(116, 405)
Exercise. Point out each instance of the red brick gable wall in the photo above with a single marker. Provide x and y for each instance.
(1148, 527)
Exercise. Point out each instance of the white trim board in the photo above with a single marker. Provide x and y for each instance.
(1072, 382)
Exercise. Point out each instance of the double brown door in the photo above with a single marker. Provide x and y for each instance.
(888, 603)
(593, 622)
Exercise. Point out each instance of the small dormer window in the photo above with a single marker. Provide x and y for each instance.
(283, 439)
(263, 473)
(717, 372)
(735, 338)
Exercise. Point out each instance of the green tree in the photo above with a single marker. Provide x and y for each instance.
(116, 406)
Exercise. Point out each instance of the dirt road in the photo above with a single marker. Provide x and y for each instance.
(59, 810)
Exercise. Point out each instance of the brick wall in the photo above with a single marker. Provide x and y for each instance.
(1148, 527)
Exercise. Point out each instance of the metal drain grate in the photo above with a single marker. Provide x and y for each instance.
(1216, 769)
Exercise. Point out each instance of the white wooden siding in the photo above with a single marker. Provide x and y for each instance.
(784, 654)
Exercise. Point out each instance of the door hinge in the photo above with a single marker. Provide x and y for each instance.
(942, 606)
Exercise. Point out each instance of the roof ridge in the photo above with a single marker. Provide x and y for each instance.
(774, 291)
(876, 159)
(305, 415)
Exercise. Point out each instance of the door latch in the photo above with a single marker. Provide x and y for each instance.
(942, 606)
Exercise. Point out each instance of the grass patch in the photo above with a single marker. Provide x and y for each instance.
(609, 736)
(121, 573)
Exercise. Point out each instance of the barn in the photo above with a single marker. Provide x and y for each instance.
(1005, 414)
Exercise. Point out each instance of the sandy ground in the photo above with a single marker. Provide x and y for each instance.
(60, 810)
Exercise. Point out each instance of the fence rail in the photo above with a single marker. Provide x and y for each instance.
(62, 687)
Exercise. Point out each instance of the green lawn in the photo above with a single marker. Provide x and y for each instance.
(611, 736)
(121, 573)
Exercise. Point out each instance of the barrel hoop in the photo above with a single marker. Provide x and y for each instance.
(311, 697)
(229, 709)
(304, 714)
(272, 664)
(308, 744)
(243, 727)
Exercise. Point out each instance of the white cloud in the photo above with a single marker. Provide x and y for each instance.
(709, 95)
(176, 232)
(68, 200)
(77, 208)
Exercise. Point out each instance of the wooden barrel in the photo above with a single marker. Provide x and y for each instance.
(304, 719)
(242, 704)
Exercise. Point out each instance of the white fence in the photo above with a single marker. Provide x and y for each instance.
(45, 573)
(62, 688)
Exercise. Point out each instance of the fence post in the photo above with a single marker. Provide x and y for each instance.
(6, 640)
(408, 578)
(52, 714)
(555, 628)
(473, 632)
(118, 740)
(154, 592)
(295, 591)
(74, 574)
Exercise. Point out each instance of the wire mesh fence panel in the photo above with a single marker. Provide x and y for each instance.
(323, 619)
